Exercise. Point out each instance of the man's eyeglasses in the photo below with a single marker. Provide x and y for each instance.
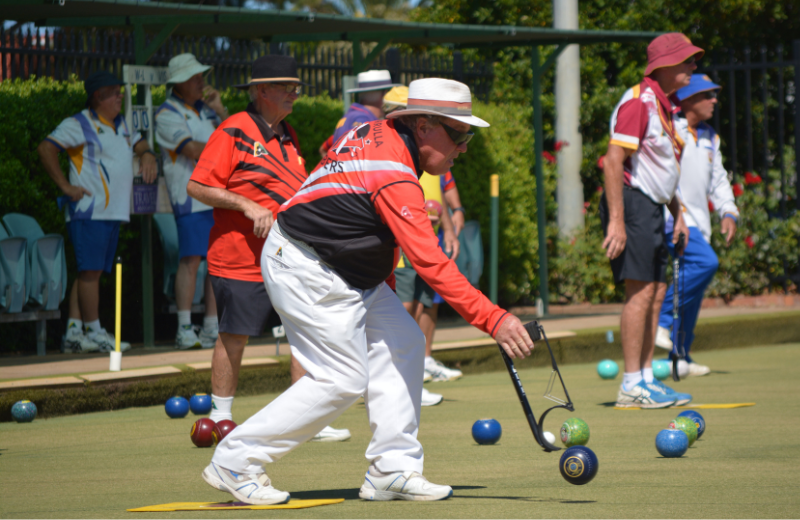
(289, 87)
(690, 60)
(458, 138)
(710, 94)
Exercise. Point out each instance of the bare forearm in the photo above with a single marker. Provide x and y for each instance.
(613, 175)
(48, 153)
(446, 222)
(193, 149)
(452, 198)
(674, 207)
(217, 197)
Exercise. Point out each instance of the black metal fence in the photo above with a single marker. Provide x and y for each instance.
(58, 53)
(758, 116)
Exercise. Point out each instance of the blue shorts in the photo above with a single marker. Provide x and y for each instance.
(95, 243)
(193, 232)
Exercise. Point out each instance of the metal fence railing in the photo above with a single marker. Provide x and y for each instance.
(59, 53)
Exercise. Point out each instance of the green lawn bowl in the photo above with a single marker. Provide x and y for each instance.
(686, 425)
(574, 432)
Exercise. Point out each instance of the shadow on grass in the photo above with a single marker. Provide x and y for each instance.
(522, 499)
(347, 494)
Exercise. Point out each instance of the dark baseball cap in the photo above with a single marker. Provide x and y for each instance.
(97, 81)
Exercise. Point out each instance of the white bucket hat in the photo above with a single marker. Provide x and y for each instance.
(182, 67)
(440, 97)
(374, 80)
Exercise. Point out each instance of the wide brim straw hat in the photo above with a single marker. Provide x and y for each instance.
(182, 67)
(273, 69)
(374, 80)
(440, 97)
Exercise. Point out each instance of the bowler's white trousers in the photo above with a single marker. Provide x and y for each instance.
(351, 343)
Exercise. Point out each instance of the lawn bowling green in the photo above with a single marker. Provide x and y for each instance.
(745, 465)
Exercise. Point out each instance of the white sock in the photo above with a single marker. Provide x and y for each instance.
(92, 326)
(429, 361)
(184, 318)
(647, 375)
(630, 379)
(73, 323)
(221, 408)
(211, 322)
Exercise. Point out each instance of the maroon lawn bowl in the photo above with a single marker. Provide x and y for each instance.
(221, 429)
(202, 432)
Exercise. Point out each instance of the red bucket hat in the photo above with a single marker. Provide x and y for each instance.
(668, 50)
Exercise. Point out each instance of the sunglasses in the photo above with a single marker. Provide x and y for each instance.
(289, 87)
(689, 61)
(458, 138)
(711, 94)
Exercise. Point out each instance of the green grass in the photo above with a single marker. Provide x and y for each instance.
(746, 465)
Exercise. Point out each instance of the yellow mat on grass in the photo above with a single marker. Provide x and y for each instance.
(228, 506)
(722, 406)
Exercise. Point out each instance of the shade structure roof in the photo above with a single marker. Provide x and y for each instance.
(278, 26)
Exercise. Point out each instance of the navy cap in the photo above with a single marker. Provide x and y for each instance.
(97, 81)
(698, 83)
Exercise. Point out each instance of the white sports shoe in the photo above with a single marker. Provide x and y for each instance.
(640, 396)
(409, 485)
(251, 489)
(431, 399)
(439, 372)
(105, 341)
(329, 434)
(186, 338)
(692, 369)
(76, 342)
(208, 338)
(663, 339)
(427, 377)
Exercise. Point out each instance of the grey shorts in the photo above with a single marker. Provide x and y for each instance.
(410, 286)
(645, 256)
(242, 307)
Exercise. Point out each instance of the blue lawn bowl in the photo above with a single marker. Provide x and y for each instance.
(697, 418)
(486, 431)
(578, 465)
(24, 411)
(672, 443)
(607, 369)
(177, 407)
(200, 404)
(661, 369)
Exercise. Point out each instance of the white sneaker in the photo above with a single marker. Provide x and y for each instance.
(439, 372)
(640, 396)
(409, 485)
(430, 399)
(186, 338)
(427, 377)
(329, 434)
(105, 341)
(694, 369)
(663, 338)
(208, 338)
(250, 489)
(76, 342)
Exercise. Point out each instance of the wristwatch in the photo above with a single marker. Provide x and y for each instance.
(459, 209)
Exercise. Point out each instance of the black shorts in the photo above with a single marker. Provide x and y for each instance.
(645, 255)
(242, 307)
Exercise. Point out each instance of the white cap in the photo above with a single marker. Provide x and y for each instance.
(182, 67)
(374, 80)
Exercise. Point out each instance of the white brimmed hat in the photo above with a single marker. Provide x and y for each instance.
(182, 67)
(440, 97)
(374, 80)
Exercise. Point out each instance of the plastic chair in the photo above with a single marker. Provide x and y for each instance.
(470, 258)
(47, 261)
(14, 281)
(168, 234)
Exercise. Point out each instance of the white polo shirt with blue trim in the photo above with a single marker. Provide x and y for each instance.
(101, 161)
(177, 124)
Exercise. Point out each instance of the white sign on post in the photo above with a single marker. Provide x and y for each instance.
(145, 198)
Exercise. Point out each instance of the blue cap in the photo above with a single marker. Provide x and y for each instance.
(699, 83)
(97, 81)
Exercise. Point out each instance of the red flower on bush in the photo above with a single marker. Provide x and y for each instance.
(749, 241)
(560, 144)
(549, 157)
(737, 190)
(750, 179)
(710, 206)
